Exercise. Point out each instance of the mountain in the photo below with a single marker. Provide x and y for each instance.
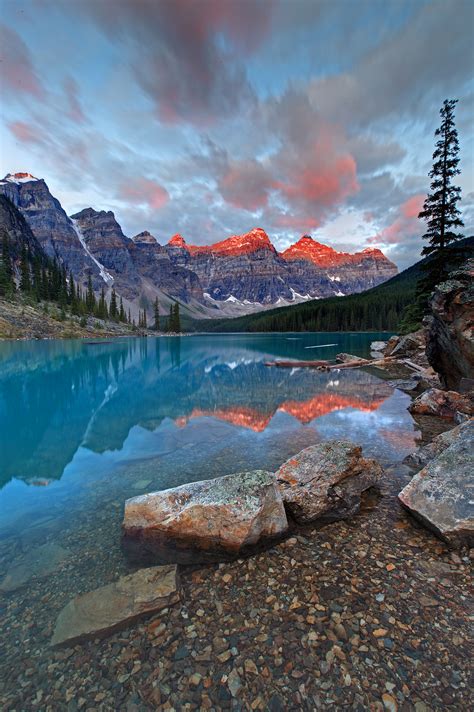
(377, 309)
(238, 275)
(49, 223)
(248, 270)
(18, 231)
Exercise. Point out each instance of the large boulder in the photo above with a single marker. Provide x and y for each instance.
(450, 338)
(423, 455)
(325, 481)
(213, 520)
(440, 495)
(112, 607)
(410, 345)
(444, 404)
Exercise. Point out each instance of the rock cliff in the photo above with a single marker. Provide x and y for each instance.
(450, 328)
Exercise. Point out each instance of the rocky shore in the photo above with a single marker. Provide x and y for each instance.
(366, 612)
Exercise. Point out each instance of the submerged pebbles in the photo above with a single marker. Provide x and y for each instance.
(364, 614)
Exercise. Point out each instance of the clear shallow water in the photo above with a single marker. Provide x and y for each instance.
(84, 426)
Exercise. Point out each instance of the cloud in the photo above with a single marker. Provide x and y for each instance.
(404, 227)
(25, 133)
(418, 66)
(17, 72)
(246, 185)
(72, 94)
(144, 191)
(185, 54)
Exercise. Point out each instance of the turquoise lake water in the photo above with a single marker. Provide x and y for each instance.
(83, 426)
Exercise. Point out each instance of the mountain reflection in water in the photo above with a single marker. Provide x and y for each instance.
(139, 399)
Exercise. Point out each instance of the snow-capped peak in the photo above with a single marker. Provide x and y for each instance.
(19, 178)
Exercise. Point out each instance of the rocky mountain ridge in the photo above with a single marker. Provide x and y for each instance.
(237, 275)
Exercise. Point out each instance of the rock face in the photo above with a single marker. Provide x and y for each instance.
(440, 495)
(18, 231)
(247, 268)
(325, 481)
(450, 338)
(110, 608)
(205, 521)
(49, 223)
(444, 404)
(423, 455)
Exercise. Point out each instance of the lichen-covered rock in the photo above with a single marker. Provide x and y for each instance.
(112, 607)
(423, 455)
(440, 495)
(450, 339)
(444, 404)
(325, 481)
(211, 520)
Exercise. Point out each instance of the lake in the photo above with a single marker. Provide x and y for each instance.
(85, 425)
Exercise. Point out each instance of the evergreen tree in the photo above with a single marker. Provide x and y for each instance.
(177, 319)
(25, 279)
(440, 209)
(90, 296)
(144, 324)
(171, 319)
(7, 283)
(156, 325)
(442, 217)
(122, 315)
(113, 311)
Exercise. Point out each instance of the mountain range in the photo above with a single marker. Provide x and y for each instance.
(238, 275)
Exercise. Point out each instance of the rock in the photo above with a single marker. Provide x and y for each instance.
(325, 481)
(378, 345)
(444, 404)
(423, 455)
(203, 521)
(40, 561)
(409, 345)
(112, 607)
(440, 494)
(450, 333)
(348, 358)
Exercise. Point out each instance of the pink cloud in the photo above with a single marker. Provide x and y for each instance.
(320, 174)
(144, 190)
(245, 185)
(405, 226)
(297, 222)
(413, 206)
(16, 68)
(25, 132)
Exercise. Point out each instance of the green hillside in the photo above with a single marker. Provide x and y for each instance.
(377, 309)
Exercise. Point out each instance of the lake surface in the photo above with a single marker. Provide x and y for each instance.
(83, 426)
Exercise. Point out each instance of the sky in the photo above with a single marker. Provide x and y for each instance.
(211, 117)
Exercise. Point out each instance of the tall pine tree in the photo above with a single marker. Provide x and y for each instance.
(442, 218)
(156, 325)
(440, 208)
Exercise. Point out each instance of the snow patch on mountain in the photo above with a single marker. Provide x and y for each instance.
(108, 279)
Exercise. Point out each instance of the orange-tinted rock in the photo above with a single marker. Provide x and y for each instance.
(444, 404)
(211, 520)
(325, 481)
(112, 607)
